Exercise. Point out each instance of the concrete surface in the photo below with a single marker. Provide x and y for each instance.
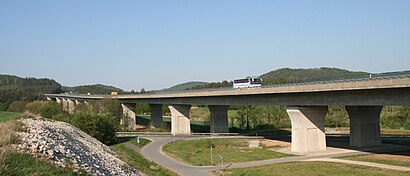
(156, 115)
(180, 122)
(219, 119)
(128, 112)
(364, 125)
(308, 130)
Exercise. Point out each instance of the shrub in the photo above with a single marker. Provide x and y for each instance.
(7, 131)
(46, 109)
(17, 106)
(3, 106)
(391, 122)
(102, 127)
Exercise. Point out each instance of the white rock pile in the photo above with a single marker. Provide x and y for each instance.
(66, 145)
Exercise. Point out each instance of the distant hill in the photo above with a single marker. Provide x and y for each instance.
(185, 86)
(312, 74)
(14, 88)
(288, 75)
(93, 89)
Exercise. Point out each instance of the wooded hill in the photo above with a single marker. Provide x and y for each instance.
(184, 86)
(288, 75)
(13, 88)
(300, 75)
(93, 89)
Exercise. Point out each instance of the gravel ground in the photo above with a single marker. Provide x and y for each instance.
(67, 146)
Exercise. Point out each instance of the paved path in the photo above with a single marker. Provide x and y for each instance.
(153, 152)
(383, 166)
(132, 146)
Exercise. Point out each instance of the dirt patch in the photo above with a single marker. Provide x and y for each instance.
(274, 144)
(389, 157)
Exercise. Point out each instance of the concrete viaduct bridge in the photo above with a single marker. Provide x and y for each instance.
(307, 105)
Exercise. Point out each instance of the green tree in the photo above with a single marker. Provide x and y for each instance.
(46, 109)
(102, 127)
(17, 106)
(142, 109)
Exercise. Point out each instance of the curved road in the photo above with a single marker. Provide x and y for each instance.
(154, 152)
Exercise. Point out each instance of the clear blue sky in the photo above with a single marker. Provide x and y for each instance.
(157, 44)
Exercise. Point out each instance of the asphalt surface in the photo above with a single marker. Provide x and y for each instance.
(153, 152)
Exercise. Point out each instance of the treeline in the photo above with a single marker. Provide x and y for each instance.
(18, 90)
(262, 117)
(213, 85)
(92, 89)
(288, 75)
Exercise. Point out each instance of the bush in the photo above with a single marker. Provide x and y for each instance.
(17, 106)
(7, 131)
(46, 109)
(3, 106)
(391, 122)
(102, 127)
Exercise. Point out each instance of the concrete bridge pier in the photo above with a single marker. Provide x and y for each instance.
(219, 118)
(364, 125)
(128, 111)
(71, 106)
(308, 131)
(64, 104)
(58, 100)
(156, 115)
(180, 122)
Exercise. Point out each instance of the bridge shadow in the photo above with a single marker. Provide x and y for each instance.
(390, 145)
(196, 126)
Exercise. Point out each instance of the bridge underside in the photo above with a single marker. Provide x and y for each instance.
(307, 111)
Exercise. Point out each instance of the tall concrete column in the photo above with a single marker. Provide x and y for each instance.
(364, 125)
(71, 106)
(128, 111)
(219, 118)
(180, 123)
(64, 104)
(58, 100)
(156, 115)
(308, 131)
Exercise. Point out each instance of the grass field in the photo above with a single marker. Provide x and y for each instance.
(4, 116)
(309, 168)
(143, 142)
(396, 158)
(198, 152)
(137, 161)
(13, 163)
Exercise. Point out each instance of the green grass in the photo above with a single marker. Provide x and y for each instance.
(19, 164)
(309, 168)
(198, 152)
(376, 158)
(137, 161)
(4, 116)
(143, 142)
(199, 113)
